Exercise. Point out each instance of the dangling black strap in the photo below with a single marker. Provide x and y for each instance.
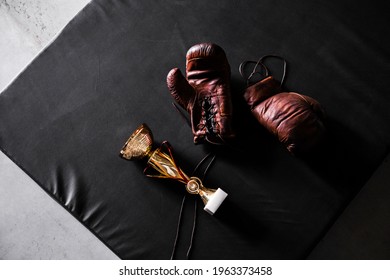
(195, 209)
(195, 203)
(178, 227)
(193, 230)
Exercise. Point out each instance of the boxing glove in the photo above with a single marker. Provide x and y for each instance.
(295, 119)
(205, 92)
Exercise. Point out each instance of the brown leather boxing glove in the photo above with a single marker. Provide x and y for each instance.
(205, 92)
(296, 119)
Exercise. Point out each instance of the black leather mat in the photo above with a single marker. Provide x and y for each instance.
(65, 118)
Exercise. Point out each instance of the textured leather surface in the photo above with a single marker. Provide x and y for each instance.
(65, 118)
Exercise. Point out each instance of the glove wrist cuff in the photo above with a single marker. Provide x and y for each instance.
(262, 90)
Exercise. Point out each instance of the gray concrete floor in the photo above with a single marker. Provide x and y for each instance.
(32, 224)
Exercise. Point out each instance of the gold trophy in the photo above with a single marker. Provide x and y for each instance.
(139, 146)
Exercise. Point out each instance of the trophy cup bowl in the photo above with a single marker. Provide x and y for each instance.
(140, 146)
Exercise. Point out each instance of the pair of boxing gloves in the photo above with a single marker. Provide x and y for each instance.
(295, 119)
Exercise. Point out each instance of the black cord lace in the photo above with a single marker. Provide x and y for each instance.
(208, 115)
(260, 62)
(195, 208)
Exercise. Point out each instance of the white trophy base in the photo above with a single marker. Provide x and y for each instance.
(215, 201)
